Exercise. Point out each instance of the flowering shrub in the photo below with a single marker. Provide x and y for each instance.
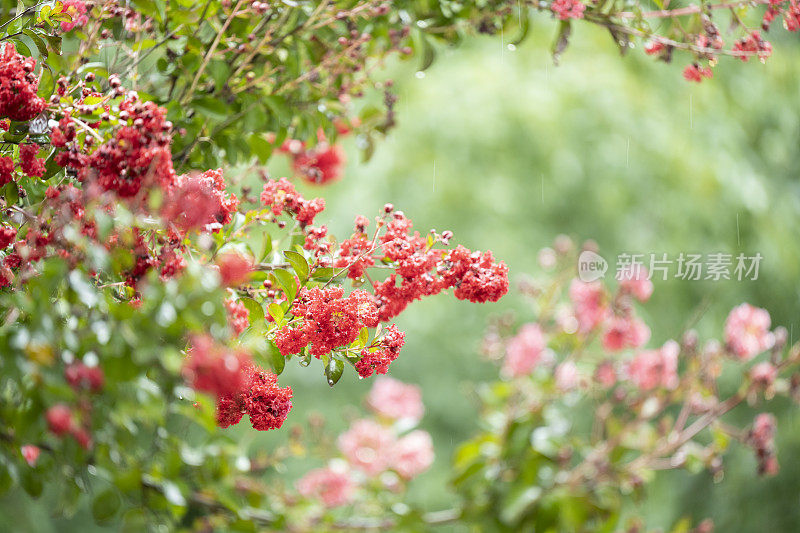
(143, 290)
(579, 424)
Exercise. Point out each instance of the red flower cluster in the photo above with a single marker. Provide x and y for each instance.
(355, 253)
(261, 398)
(321, 164)
(18, 86)
(281, 196)
(696, 73)
(424, 271)
(378, 358)
(753, 44)
(215, 369)
(79, 376)
(200, 203)
(138, 156)
(61, 423)
(318, 165)
(6, 170)
(238, 317)
(330, 320)
(790, 11)
(28, 162)
(7, 235)
(233, 269)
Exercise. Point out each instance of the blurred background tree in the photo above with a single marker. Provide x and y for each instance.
(501, 147)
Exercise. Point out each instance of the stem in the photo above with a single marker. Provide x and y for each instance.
(210, 52)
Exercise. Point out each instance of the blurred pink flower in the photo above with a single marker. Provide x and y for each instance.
(333, 488)
(634, 280)
(413, 454)
(589, 301)
(605, 374)
(747, 331)
(566, 376)
(368, 446)
(30, 453)
(656, 368)
(763, 432)
(625, 332)
(524, 351)
(396, 400)
(764, 373)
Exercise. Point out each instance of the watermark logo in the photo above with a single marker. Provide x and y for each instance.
(715, 266)
(591, 266)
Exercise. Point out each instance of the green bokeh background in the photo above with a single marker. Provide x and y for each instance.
(508, 151)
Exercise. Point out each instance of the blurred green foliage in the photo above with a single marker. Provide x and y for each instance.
(508, 151)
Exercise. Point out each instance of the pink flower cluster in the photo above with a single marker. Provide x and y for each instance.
(374, 449)
(747, 331)
(371, 449)
(396, 400)
(60, 422)
(762, 438)
(568, 9)
(76, 9)
(238, 316)
(333, 487)
(650, 369)
(593, 308)
(524, 351)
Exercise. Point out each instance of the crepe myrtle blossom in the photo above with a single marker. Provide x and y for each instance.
(764, 373)
(368, 446)
(626, 331)
(333, 487)
(762, 439)
(76, 9)
(590, 302)
(566, 376)
(655, 368)
(396, 400)
(30, 453)
(234, 268)
(524, 351)
(260, 397)
(18, 86)
(215, 369)
(747, 331)
(634, 280)
(412, 454)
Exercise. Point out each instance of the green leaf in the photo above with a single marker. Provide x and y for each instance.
(211, 107)
(288, 283)
(105, 505)
(276, 360)
(562, 40)
(260, 146)
(256, 312)
(11, 193)
(276, 312)
(333, 371)
(299, 264)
